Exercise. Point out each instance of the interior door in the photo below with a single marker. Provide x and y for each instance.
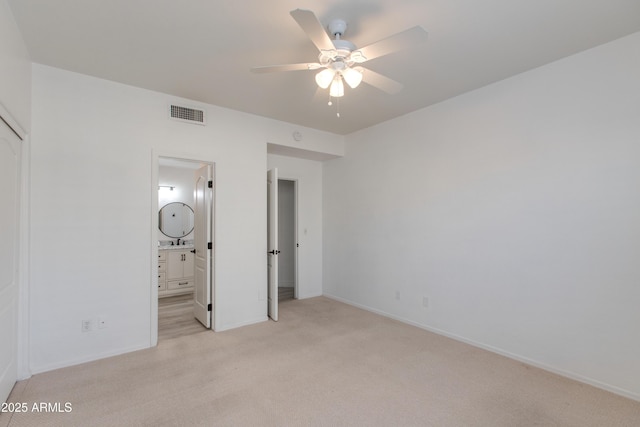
(10, 148)
(202, 305)
(272, 242)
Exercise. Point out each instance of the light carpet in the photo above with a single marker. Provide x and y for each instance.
(323, 364)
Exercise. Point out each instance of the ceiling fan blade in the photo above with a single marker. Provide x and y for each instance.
(394, 43)
(286, 67)
(381, 82)
(314, 29)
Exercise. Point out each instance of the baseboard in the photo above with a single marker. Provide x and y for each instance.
(241, 324)
(72, 362)
(307, 296)
(81, 360)
(567, 374)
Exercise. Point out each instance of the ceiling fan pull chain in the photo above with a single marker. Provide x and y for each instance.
(338, 107)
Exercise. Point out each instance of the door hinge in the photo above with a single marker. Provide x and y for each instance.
(209, 245)
(209, 307)
(210, 184)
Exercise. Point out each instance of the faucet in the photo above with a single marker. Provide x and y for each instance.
(178, 241)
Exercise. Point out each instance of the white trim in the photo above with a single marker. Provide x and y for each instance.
(12, 123)
(528, 361)
(296, 276)
(241, 324)
(24, 291)
(153, 332)
(80, 360)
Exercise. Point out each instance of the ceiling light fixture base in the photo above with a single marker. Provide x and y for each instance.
(337, 27)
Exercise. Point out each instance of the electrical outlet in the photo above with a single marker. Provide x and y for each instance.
(102, 322)
(425, 302)
(87, 325)
(398, 295)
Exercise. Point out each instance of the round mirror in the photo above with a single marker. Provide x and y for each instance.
(175, 219)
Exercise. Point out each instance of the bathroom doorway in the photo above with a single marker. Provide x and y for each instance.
(184, 247)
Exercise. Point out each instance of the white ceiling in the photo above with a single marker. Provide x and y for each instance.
(203, 49)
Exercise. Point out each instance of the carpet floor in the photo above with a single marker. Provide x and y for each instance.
(323, 364)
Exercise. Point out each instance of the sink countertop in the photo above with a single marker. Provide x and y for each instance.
(175, 247)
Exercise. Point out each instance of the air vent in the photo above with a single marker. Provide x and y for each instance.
(185, 114)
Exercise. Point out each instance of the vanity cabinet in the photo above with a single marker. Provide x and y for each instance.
(175, 271)
(162, 268)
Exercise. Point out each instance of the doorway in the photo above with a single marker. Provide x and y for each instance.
(282, 245)
(184, 244)
(287, 241)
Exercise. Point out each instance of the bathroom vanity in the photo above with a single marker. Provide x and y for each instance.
(176, 260)
(175, 270)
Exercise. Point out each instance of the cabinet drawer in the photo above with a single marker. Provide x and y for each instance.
(162, 255)
(161, 267)
(180, 284)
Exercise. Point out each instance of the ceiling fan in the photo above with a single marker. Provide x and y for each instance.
(339, 59)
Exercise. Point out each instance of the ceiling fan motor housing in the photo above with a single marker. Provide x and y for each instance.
(341, 53)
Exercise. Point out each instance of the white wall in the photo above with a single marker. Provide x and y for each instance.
(15, 70)
(308, 174)
(94, 142)
(286, 234)
(513, 208)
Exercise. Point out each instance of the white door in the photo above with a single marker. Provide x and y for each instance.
(202, 240)
(9, 188)
(272, 242)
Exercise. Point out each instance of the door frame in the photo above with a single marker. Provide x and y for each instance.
(155, 172)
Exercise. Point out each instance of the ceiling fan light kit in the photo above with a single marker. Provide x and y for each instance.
(337, 87)
(325, 77)
(353, 76)
(338, 57)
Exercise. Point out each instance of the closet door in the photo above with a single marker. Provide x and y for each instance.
(10, 147)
